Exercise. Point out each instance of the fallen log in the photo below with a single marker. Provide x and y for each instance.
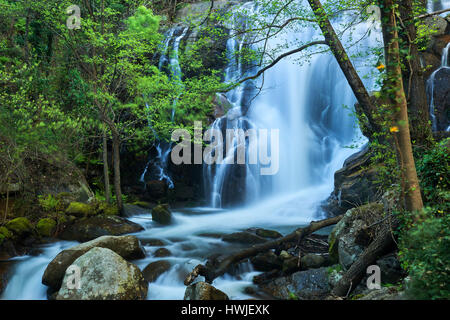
(382, 244)
(213, 270)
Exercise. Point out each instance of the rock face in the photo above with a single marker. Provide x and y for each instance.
(204, 291)
(304, 285)
(353, 184)
(155, 269)
(349, 237)
(87, 229)
(162, 214)
(105, 276)
(128, 247)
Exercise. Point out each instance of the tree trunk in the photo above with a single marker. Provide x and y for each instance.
(381, 245)
(346, 65)
(211, 271)
(414, 81)
(116, 157)
(393, 86)
(106, 167)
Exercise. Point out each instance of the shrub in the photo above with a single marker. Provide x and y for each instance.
(425, 255)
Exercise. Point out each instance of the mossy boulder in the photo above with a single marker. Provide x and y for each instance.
(46, 227)
(80, 210)
(20, 226)
(87, 229)
(107, 209)
(5, 234)
(162, 214)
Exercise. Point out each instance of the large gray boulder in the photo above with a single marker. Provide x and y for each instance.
(104, 276)
(204, 291)
(87, 229)
(128, 247)
(350, 236)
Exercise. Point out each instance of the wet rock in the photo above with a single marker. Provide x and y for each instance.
(105, 276)
(162, 252)
(384, 294)
(311, 261)
(4, 276)
(354, 184)
(204, 291)
(430, 61)
(437, 25)
(306, 285)
(266, 261)
(128, 247)
(130, 210)
(162, 214)
(391, 270)
(243, 237)
(90, 228)
(155, 269)
(271, 234)
(290, 265)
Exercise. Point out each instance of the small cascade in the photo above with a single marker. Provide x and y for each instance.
(168, 62)
(431, 90)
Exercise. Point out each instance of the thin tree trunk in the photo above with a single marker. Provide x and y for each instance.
(394, 88)
(346, 65)
(106, 167)
(414, 81)
(116, 157)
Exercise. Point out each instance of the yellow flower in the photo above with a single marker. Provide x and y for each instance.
(381, 67)
(394, 129)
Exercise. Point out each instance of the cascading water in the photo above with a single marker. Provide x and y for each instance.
(305, 102)
(169, 60)
(445, 67)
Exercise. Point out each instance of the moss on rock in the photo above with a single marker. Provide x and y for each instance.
(5, 234)
(80, 210)
(20, 226)
(107, 209)
(46, 227)
(162, 214)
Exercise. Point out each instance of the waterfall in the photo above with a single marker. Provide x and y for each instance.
(311, 104)
(168, 61)
(431, 89)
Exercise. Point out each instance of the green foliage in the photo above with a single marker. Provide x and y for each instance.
(425, 238)
(45, 227)
(434, 172)
(49, 203)
(423, 251)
